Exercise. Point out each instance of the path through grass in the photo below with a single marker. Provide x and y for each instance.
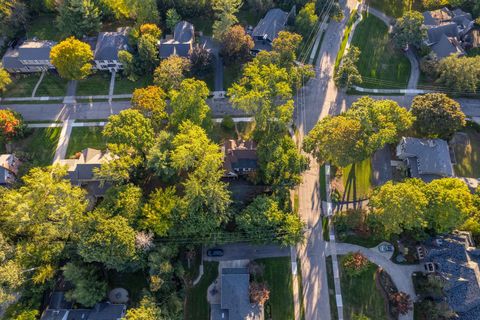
(22, 85)
(396, 8)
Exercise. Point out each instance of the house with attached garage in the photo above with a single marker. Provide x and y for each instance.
(9, 165)
(180, 44)
(105, 54)
(449, 31)
(427, 159)
(268, 27)
(29, 56)
(240, 157)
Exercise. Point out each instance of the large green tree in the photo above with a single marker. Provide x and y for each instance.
(171, 72)
(158, 212)
(88, 287)
(79, 18)
(307, 19)
(459, 74)
(151, 102)
(236, 45)
(437, 115)
(72, 59)
(13, 17)
(263, 221)
(225, 11)
(347, 73)
(148, 52)
(409, 30)
(5, 79)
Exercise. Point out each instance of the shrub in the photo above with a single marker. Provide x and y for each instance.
(355, 264)
(228, 123)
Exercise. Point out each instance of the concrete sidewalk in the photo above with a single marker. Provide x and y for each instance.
(61, 151)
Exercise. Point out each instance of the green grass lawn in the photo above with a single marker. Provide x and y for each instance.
(125, 86)
(278, 276)
(52, 85)
(396, 8)
(331, 289)
(134, 282)
(230, 75)
(348, 29)
(196, 305)
(473, 52)
(44, 27)
(360, 295)
(96, 84)
(22, 85)
(357, 180)
(468, 157)
(85, 137)
(381, 64)
(38, 146)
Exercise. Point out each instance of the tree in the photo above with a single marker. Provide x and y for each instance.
(172, 18)
(124, 200)
(259, 292)
(11, 279)
(146, 11)
(148, 310)
(171, 72)
(460, 74)
(189, 102)
(400, 206)
(72, 59)
(128, 62)
(336, 140)
(147, 52)
(27, 315)
(110, 241)
(336, 11)
(151, 29)
(150, 101)
(401, 301)
(355, 264)
(88, 287)
(79, 18)
(286, 46)
(264, 222)
(5, 79)
(236, 45)
(225, 11)
(13, 17)
(450, 203)
(306, 20)
(260, 6)
(201, 60)
(437, 115)
(11, 125)
(158, 212)
(409, 30)
(347, 74)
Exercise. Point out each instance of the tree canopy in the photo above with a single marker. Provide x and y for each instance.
(459, 74)
(171, 72)
(236, 45)
(5, 79)
(79, 18)
(72, 59)
(151, 102)
(409, 30)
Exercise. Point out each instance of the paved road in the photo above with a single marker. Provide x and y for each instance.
(400, 274)
(242, 251)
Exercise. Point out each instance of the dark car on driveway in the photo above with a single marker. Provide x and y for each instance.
(215, 252)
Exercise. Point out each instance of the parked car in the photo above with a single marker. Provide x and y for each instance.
(215, 252)
(385, 248)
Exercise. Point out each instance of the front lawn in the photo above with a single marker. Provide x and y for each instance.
(96, 84)
(357, 180)
(125, 86)
(360, 294)
(85, 137)
(44, 27)
(468, 155)
(52, 85)
(134, 282)
(381, 64)
(278, 276)
(22, 85)
(196, 304)
(396, 8)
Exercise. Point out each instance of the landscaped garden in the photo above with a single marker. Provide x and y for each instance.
(277, 274)
(380, 64)
(85, 137)
(196, 304)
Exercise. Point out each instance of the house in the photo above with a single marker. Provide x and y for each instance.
(30, 56)
(81, 171)
(182, 42)
(8, 169)
(455, 260)
(427, 159)
(235, 297)
(60, 309)
(240, 157)
(446, 31)
(268, 28)
(107, 47)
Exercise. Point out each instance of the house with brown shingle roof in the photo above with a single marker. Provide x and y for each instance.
(240, 157)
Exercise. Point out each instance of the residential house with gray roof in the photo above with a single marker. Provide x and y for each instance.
(446, 31)
(107, 47)
(455, 260)
(30, 56)
(427, 159)
(181, 43)
(235, 297)
(9, 165)
(268, 28)
(240, 157)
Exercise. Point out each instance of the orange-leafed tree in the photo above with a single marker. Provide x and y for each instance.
(11, 125)
(355, 263)
(259, 292)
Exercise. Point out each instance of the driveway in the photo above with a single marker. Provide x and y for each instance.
(381, 166)
(246, 251)
(400, 274)
(214, 47)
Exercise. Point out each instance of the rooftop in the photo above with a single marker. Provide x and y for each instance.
(181, 43)
(240, 156)
(110, 43)
(270, 25)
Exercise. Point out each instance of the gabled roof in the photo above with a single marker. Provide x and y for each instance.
(437, 17)
(435, 34)
(239, 155)
(184, 32)
(270, 25)
(82, 168)
(109, 43)
(29, 50)
(181, 44)
(446, 47)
